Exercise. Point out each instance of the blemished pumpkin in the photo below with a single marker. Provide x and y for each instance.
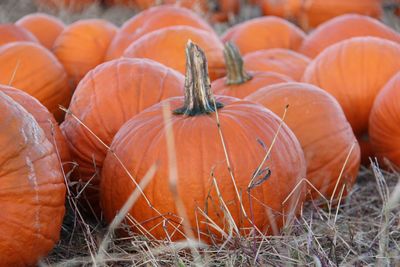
(342, 28)
(150, 20)
(12, 33)
(384, 123)
(105, 99)
(309, 14)
(34, 69)
(264, 33)
(83, 45)
(354, 71)
(239, 82)
(170, 46)
(45, 120)
(32, 189)
(325, 135)
(283, 61)
(46, 28)
(201, 165)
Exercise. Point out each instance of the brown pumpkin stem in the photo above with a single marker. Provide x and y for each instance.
(234, 64)
(198, 96)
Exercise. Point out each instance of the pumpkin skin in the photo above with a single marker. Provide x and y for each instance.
(264, 33)
(104, 100)
(384, 120)
(83, 45)
(170, 46)
(32, 189)
(199, 153)
(69, 5)
(278, 60)
(240, 83)
(46, 28)
(311, 13)
(45, 120)
(322, 130)
(12, 33)
(34, 69)
(345, 27)
(354, 71)
(154, 18)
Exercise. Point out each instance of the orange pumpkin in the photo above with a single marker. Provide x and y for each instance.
(46, 28)
(345, 27)
(170, 46)
(13, 33)
(83, 45)
(68, 5)
(150, 20)
(240, 83)
(32, 188)
(324, 133)
(311, 13)
(354, 71)
(265, 33)
(34, 69)
(104, 100)
(384, 122)
(45, 120)
(200, 157)
(278, 60)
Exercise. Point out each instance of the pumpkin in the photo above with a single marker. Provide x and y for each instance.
(45, 120)
(240, 83)
(104, 100)
(46, 28)
(32, 188)
(264, 33)
(150, 20)
(384, 122)
(83, 45)
(34, 69)
(323, 131)
(142, 142)
(66, 5)
(170, 46)
(354, 71)
(13, 33)
(311, 13)
(345, 27)
(278, 60)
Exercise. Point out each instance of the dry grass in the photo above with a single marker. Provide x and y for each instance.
(363, 230)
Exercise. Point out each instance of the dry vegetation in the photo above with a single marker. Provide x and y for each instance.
(363, 230)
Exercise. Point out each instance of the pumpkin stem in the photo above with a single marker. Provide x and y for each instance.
(234, 64)
(198, 96)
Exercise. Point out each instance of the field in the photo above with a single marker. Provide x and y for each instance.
(362, 230)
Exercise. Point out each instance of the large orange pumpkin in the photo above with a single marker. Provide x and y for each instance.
(105, 99)
(265, 33)
(324, 133)
(150, 20)
(46, 28)
(247, 129)
(384, 121)
(13, 33)
(83, 45)
(45, 120)
(345, 27)
(32, 189)
(311, 13)
(240, 83)
(167, 46)
(354, 71)
(278, 60)
(35, 70)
